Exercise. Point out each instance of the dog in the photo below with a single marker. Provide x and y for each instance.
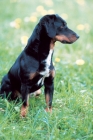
(34, 67)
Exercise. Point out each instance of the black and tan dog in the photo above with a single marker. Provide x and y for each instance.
(34, 68)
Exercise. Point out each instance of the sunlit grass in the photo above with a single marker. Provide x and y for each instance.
(72, 116)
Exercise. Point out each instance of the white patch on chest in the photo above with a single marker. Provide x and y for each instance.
(47, 63)
(48, 59)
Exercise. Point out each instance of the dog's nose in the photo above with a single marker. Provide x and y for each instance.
(77, 36)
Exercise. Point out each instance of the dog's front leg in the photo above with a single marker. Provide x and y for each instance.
(25, 100)
(49, 89)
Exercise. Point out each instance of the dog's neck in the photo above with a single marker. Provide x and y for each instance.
(52, 43)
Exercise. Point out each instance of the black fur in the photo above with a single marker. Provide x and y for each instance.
(32, 59)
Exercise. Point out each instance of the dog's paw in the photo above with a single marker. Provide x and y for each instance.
(23, 111)
(48, 109)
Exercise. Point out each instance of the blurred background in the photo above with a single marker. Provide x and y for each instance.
(19, 17)
(72, 117)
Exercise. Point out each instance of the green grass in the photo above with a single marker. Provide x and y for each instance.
(72, 116)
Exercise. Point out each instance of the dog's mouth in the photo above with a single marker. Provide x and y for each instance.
(65, 42)
(70, 40)
(67, 39)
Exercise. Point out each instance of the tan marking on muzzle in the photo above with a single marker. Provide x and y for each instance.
(73, 38)
(61, 38)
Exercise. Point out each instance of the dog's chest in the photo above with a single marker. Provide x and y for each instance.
(46, 72)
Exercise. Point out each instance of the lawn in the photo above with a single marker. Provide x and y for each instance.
(72, 115)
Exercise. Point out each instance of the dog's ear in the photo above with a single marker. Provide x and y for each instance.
(49, 25)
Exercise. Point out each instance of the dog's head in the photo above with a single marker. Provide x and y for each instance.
(57, 28)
